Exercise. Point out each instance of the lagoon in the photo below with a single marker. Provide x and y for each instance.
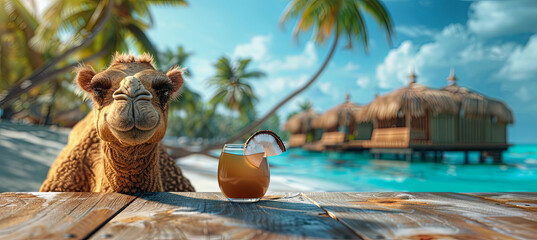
(27, 151)
(359, 172)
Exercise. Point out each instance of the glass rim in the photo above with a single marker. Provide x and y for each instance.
(233, 148)
(234, 145)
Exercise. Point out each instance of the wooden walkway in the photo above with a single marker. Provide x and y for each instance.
(287, 215)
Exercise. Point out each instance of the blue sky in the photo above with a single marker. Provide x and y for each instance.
(492, 45)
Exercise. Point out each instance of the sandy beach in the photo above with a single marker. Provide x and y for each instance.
(27, 152)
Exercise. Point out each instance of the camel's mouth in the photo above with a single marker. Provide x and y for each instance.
(134, 135)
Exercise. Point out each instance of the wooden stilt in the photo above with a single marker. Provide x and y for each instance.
(497, 156)
(376, 155)
(397, 156)
(481, 157)
(435, 153)
(422, 156)
(466, 161)
(408, 157)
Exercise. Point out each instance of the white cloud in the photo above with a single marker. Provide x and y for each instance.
(523, 95)
(298, 82)
(522, 63)
(325, 87)
(304, 60)
(255, 49)
(349, 67)
(396, 66)
(362, 82)
(328, 89)
(277, 84)
(454, 46)
(415, 31)
(498, 18)
(281, 84)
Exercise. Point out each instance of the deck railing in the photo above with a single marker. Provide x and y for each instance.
(296, 140)
(389, 138)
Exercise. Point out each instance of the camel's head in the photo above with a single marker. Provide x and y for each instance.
(130, 98)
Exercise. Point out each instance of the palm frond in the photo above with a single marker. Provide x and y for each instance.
(343, 17)
(144, 41)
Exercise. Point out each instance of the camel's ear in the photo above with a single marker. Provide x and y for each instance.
(175, 75)
(84, 76)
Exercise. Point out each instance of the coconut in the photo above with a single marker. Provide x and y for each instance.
(264, 141)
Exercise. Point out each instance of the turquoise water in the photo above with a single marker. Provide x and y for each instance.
(360, 172)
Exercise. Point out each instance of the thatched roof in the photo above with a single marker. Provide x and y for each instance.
(500, 110)
(474, 104)
(342, 115)
(414, 99)
(301, 122)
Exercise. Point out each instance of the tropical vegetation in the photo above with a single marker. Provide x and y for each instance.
(37, 53)
(326, 19)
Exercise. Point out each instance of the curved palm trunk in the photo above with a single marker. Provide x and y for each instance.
(37, 77)
(48, 119)
(55, 72)
(258, 123)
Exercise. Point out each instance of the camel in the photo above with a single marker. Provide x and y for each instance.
(117, 146)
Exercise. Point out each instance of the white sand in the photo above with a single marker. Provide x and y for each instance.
(27, 152)
(202, 172)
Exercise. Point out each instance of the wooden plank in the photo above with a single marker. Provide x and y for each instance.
(427, 216)
(211, 216)
(56, 215)
(525, 200)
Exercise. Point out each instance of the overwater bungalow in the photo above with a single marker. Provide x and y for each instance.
(480, 121)
(417, 119)
(336, 126)
(300, 128)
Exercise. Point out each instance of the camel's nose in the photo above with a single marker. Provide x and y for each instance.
(131, 88)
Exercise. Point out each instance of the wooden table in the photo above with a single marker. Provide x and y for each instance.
(317, 215)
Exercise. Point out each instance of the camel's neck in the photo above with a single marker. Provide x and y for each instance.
(131, 169)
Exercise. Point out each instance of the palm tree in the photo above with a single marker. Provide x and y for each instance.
(17, 58)
(124, 30)
(169, 59)
(233, 90)
(18, 25)
(329, 19)
(44, 72)
(188, 98)
(98, 29)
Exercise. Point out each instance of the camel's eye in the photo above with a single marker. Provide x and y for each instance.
(163, 90)
(98, 92)
(100, 86)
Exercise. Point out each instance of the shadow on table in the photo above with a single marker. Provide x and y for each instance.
(288, 215)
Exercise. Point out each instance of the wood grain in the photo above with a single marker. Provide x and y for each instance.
(211, 216)
(427, 216)
(56, 215)
(525, 200)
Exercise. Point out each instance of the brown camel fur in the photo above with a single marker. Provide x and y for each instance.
(116, 147)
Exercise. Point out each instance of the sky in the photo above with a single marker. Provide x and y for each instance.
(491, 45)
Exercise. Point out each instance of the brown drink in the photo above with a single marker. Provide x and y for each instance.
(242, 178)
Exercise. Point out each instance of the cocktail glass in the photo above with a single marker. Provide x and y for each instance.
(242, 178)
